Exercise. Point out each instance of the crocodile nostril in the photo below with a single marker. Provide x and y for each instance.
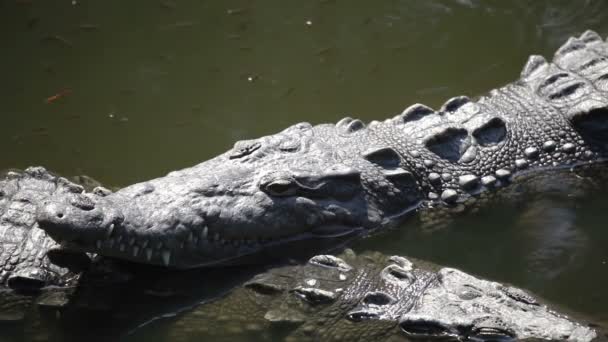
(60, 215)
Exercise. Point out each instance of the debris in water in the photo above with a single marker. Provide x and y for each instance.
(236, 11)
(323, 51)
(58, 96)
(58, 39)
(178, 25)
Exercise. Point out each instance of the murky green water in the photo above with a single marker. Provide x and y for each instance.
(128, 90)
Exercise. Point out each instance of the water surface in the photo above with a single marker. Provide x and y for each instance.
(128, 90)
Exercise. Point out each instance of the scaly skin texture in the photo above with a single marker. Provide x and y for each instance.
(30, 276)
(327, 181)
(24, 247)
(373, 297)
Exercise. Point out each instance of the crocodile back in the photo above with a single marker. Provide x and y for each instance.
(554, 116)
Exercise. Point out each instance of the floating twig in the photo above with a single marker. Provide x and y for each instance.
(58, 96)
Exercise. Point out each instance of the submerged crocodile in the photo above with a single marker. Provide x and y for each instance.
(365, 297)
(373, 297)
(316, 183)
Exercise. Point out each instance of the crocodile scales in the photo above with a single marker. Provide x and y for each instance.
(374, 297)
(24, 247)
(322, 182)
(353, 297)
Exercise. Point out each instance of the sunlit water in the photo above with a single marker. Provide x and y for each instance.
(128, 90)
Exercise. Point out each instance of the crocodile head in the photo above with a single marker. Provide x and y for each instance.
(261, 195)
(377, 297)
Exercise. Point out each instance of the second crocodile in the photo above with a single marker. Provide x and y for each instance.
(373, 297)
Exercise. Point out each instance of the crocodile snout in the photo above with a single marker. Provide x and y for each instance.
(54, 219)
(75, 218)
(52, 213)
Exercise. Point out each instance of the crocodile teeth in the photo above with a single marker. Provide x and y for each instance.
(110, 230)
(204, 233)
(216, 237)
(144, 244)
(131, 241)
(110, 243)
(135, 251)
(122, 247)
(98, 244)
(148, 254)
(190, 237)
(166, 255)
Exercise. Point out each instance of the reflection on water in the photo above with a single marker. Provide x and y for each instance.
(128, 90)
(556, 243)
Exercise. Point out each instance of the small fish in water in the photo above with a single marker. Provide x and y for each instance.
(59, 95)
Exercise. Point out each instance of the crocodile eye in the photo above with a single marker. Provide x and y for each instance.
(492, 334)
(243, 148)
(281, 187)
(289, 145)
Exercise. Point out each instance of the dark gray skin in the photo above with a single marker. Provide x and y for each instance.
(24, 247)
(34, 271)
(332, 181)
(301, 297)
(373, 297)
(367, 297)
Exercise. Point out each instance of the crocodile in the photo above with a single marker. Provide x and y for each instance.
(34, 270)
(334, 182)
(25, 249)
(366, 296)
(382, 296)
(374, 297)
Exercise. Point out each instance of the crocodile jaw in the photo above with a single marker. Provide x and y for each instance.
(113, 227)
